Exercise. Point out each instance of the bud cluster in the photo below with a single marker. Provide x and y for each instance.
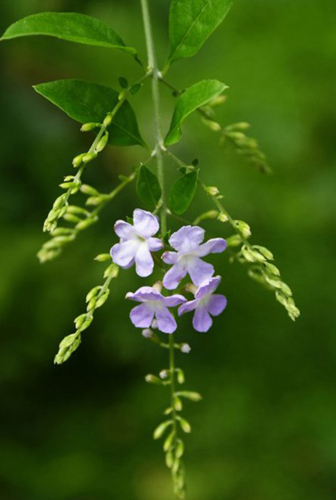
(95, 299)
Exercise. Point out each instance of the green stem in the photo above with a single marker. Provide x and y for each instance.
(153, 68)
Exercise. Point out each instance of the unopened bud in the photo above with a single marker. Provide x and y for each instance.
(185, 348)
(107, 121)
(87, 127)
(102, 143)
(89, 157)
(77, 161)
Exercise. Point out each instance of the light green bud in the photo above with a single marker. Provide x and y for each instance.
(89, 157)
(78, 160)
(103, 257)
(222, 217)
(272, 269)
(101, 301)
(91, 305)
(71, 218)
(68, 185)
(264, 251)
(212, 190)
(73, 209)
(94, 201)
(86, 189)
(243, 227)
(234, 241)
(84, 224)
(169, 459)
(152, 379)
(241, 126)
(59, 202)
(93, 293)
(111, 271)
(168, 444)
(192, 396)
(107, 121)
(161, 429)
(87, 127)
(178, 404)
(102, 143)
(186, 427)
(180, 376)
(179, 449)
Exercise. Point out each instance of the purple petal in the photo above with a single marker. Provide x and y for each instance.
(170, 257)
(199, 271)
(165, 320)
(174, 300)
(187, 239)
(144, 263)
(208, 287)
(202, 320)
(154, 244)
(124, 230)
(217, 304)
(173, 277)
(144, 293)
(215, 245)
(142, 316)
(145, 223)
(124, 253)
(187, 307)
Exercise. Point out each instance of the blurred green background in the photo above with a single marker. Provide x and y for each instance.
(266, 429)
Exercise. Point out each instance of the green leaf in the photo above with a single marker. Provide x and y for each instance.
(148, 187)
(194, 97)
(182, 192)
(191, 22)
(68, 26)
(89, 102)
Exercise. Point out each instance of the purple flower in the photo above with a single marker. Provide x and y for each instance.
(204, 304)
(188, 243)
(154, 304)
(137, 242)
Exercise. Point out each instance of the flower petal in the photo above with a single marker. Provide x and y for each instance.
(144, 293)
(165, 320)
(187, 307)
(174, 300)
(199, 271)
(145, 223)
(187, 239)
(217, 304)
(173, 277)
(208, 287)
(202, 320)
(123, 253)
(144, 263)
(154, 244)
(142, 316)
(170, 257)
(124, 230)
(215, 245)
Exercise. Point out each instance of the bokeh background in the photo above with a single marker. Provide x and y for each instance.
(266, 429)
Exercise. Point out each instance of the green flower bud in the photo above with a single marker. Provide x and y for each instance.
(102, 143)
(87, 127)
(186, 427)
(89, 157)
(107, 121)
(103, 257)
(86, 189)
(161, 429)
(84, 224)
(78, 160)
(101, 301)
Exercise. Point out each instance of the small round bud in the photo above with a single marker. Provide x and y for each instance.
(87, 127)
(147, 333)
(185, 348)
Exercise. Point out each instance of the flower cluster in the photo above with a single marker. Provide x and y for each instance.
(138, 241)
